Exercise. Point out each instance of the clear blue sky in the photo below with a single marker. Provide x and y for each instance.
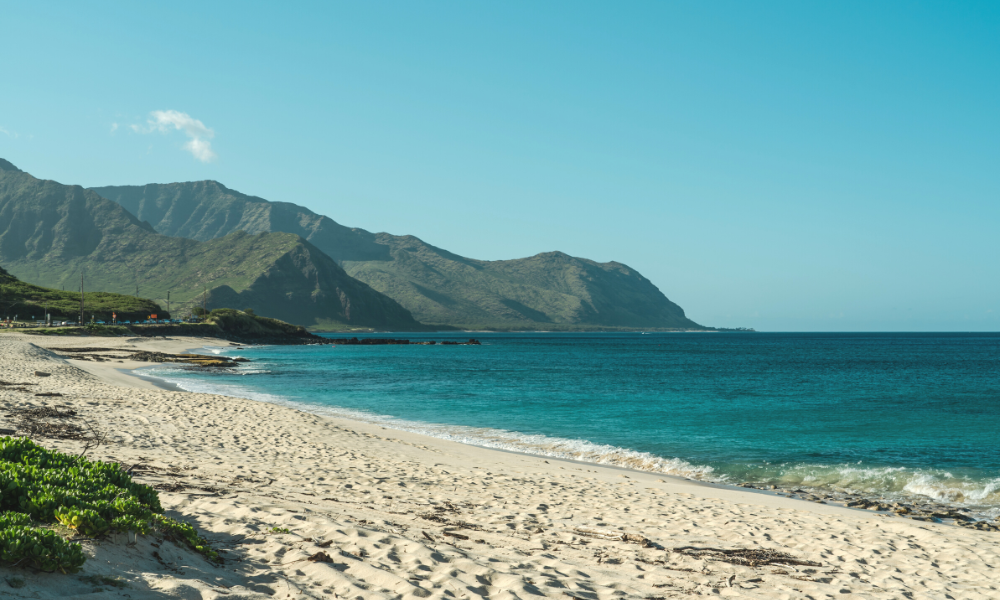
(785, 166)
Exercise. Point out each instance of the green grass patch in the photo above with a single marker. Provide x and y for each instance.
(41, 487)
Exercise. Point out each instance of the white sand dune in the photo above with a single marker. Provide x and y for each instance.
(401, 515)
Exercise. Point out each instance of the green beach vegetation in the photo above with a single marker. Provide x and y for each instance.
(32, 302)
(42, 488)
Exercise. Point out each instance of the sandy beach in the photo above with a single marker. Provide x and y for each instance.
(309, 506)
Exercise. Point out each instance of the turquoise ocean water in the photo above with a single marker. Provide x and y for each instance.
(900, 416)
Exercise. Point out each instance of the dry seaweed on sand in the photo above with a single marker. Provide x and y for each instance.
(15, 386)
(34, 422)
(614, 536)
(749, 557)
(437, 518)
(42, 412)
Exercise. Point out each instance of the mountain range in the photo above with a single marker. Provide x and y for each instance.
(547, 291)
(201, 243)
(51, 234)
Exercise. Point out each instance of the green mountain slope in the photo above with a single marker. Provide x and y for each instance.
(50, 233)
(549, 291)
(31, 302)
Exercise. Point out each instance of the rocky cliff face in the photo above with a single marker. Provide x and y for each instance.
(551, 289)
(51, 233)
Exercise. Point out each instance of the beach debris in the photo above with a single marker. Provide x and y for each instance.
(320, 557)
(433, 517)
(33, 422)
(172, 487)
(36, 422)
(447, 507)
(749, 557)
(437, 518)
(455, 535)
(15, 387)
(42, 374)
(49, 394)
(615, 536)
(42, 412)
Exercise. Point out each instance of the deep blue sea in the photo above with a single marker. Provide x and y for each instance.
(894, 415)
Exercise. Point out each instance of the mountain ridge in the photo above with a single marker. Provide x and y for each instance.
(438, 287)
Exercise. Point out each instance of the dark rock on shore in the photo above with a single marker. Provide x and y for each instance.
(918, 511)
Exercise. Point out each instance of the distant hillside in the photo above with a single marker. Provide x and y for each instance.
(546, 291)
(31, 302)
(50, 232)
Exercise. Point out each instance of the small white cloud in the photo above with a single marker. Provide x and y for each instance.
(200, 149)
(8, 133)
(164, 121)
(114, 127)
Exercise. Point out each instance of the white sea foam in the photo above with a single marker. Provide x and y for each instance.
(894, 484)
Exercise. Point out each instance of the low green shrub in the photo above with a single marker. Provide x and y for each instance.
(41, 486)
(85, 521)
(43, 549)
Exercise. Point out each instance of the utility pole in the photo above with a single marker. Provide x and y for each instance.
(168, 302)
(204, 302)
(81, 298)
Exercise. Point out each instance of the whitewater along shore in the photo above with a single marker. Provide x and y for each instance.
(307, 506)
